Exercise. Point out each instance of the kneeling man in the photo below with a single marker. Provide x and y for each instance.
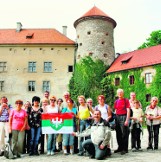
(98, 146)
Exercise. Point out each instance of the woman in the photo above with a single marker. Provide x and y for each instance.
(51, 140)
(27, 107)
(35, 125)
(44, 104)
(105, 109)
(17, 126)
(153, 115)
(84, 111)
(68, 139)
(59, 137)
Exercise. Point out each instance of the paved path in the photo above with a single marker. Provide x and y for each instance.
(144, 156)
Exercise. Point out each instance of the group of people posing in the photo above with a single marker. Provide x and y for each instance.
(21, 125)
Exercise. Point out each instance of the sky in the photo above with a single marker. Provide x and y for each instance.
(136, 19)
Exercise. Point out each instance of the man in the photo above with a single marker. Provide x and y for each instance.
(133, 99)
(122, 107)
(4, 123)
(98, 146)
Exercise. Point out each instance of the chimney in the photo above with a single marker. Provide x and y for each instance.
(19, 27)
(65, 30)
(117, 55)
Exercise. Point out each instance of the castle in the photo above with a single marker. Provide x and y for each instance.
(35, 60)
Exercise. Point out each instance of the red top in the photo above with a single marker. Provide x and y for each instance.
(121, 105)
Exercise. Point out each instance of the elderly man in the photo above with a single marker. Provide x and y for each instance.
(4, 123)
(98, 146)
(122, 108)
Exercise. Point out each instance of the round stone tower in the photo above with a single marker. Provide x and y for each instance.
(95, 36)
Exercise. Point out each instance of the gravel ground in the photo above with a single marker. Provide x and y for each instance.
(143, 156)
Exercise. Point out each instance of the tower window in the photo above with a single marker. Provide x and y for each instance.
(105, 55)
(90, 53)
(103, 42)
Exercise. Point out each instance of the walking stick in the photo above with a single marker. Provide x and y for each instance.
(151, 133)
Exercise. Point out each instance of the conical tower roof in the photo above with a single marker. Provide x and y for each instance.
(95, 13)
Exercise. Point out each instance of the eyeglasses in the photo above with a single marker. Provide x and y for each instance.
(154, 100)
(52, 100)
(20, 103)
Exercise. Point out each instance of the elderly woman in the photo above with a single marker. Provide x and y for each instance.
(153, 115)
(17, 126)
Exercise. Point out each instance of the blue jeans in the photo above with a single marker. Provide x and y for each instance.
(94, 150)
(35, 135)
(83, 124)
(51, 142)
(68, 140)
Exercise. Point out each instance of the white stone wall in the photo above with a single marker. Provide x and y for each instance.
(95, 38)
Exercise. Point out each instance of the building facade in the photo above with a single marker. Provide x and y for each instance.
(33, 61)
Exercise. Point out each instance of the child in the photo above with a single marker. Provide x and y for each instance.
(136, 126)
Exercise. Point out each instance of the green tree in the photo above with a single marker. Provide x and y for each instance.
(86, 79)
(153, 40)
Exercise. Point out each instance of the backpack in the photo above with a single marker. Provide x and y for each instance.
(8, 153)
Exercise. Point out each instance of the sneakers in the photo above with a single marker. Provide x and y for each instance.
(117, 151)
(134, 149)
(149, 148)
(139, 149)
(48, 153)
(52, 153)
(80, 154)
(123, 152)
(65, 152)
(71, 151)
(1, 153)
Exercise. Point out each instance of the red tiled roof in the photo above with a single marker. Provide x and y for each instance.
(95, 12)
(33, 36)
(135, 59)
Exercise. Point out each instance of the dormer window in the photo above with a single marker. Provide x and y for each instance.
(29, 35)
(126, 59)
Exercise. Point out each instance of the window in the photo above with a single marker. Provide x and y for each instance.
(46, 86)
(1, 86)
(148, 78)
(131, 79)
(105, 55)
(31, 86)
(70, 68)
(3, 66)
(32, 66)
(148, 97)
(117, 81)
(47, 66)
